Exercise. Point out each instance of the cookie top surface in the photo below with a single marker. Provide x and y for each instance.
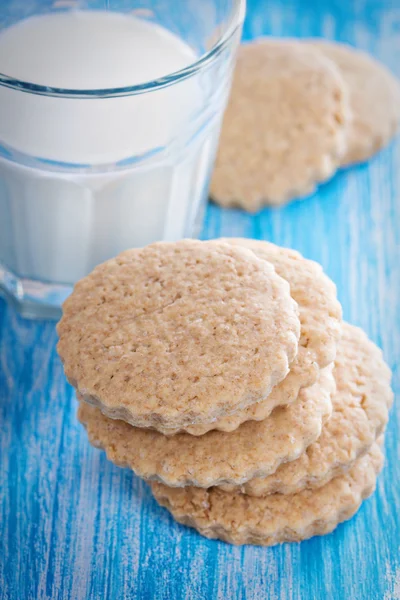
(178, 333)
(254, 449)
(360, 412)
(374, 95)
(285, 126)
(320, 315)
(277, 518)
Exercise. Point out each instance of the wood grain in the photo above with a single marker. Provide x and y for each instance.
(73, 526)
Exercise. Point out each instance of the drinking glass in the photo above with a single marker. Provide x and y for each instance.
(88, 173)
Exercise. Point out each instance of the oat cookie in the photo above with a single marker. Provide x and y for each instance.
(320, 316)
(241, 519)
(360, 412)
(374, 99)
(254, 449)
(178, 333)
(285, 126)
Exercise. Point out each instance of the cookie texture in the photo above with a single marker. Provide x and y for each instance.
(360, 413)
(178, 333)
(320, 315)
(285, 126)
(254, 449)
(374, 95)
(241, 519)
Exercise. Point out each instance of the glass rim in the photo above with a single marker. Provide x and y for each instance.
(236, 20)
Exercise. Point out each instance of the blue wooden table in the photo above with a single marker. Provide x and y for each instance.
(73, 526)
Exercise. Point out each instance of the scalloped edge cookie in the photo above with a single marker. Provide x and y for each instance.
(374, 95)
(254, 449)
(178, 333)
(285, 127)
(241, 519)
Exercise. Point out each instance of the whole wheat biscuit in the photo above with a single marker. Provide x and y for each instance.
(320, 316)
(374, 99)
(360, 412)
(285, 126)
(241, 519)
(254, 449)
(178, 333)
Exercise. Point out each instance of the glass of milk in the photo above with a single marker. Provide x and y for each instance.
(109, 120)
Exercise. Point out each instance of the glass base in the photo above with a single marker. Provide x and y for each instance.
(33, 299)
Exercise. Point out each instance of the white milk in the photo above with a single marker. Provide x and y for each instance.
(57, 224)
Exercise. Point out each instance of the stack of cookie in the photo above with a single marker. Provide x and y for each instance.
(221, 372)
(298, 111)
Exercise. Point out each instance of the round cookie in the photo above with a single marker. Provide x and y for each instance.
(285, 126)
(240, 519)
(360, 412)
(320, 315)
(178, 333)
(374, 95)
(254, 449)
